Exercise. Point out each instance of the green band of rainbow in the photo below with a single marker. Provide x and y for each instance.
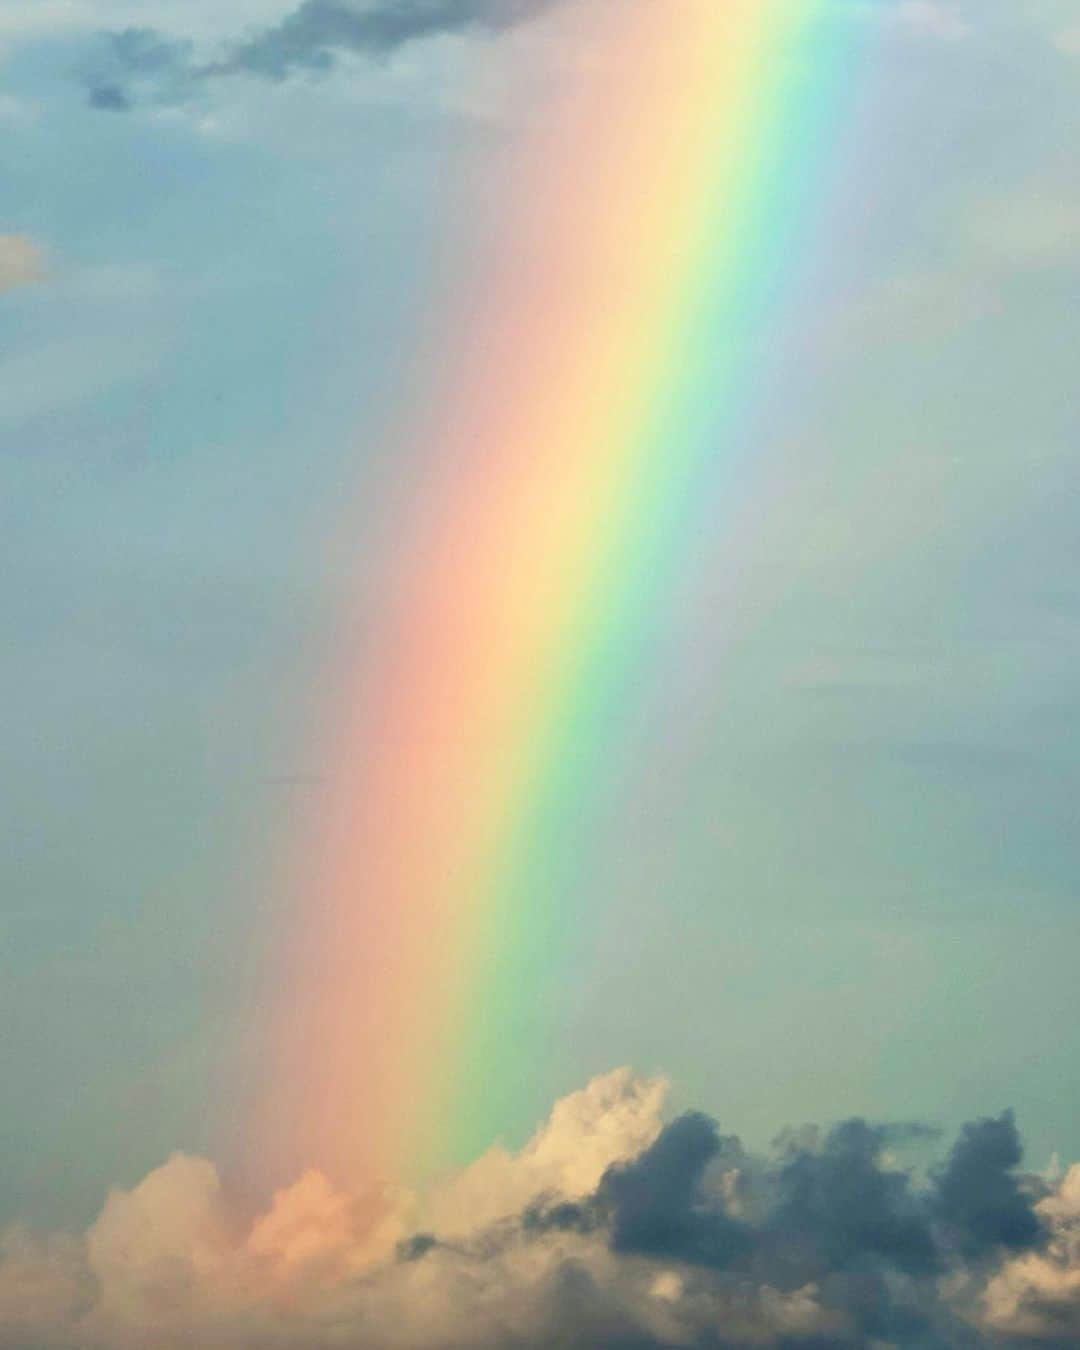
(585, 430)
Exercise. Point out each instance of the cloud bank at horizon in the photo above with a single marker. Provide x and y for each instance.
(610, 1230)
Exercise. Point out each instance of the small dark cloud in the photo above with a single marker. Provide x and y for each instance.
(109, 98)
(560, 1217)
(980, 1193)
(416, 1247)
(657, 1207)
(142, 63)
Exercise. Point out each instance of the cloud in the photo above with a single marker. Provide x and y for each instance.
(609, 1230)
(979, 1194)
(162, 1246)
(615, 1117)
(145, 63)
(650, 1204)
(1036, 1297)
(109, 98)
(22, 261)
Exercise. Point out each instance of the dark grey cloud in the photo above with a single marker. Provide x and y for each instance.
(310, 37)
(980, 1194)
(838, 1209)
(109, 98)
(416, 1247)
(831, 1213)
(141, 63)
(655, 1205)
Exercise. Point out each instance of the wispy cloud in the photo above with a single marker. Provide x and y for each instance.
(22, 261)
(145, 63)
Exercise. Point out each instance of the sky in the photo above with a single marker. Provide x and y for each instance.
(835, 874)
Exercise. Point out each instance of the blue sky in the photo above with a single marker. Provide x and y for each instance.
(846, 834)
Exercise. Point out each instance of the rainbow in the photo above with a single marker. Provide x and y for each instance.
(581, 432)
